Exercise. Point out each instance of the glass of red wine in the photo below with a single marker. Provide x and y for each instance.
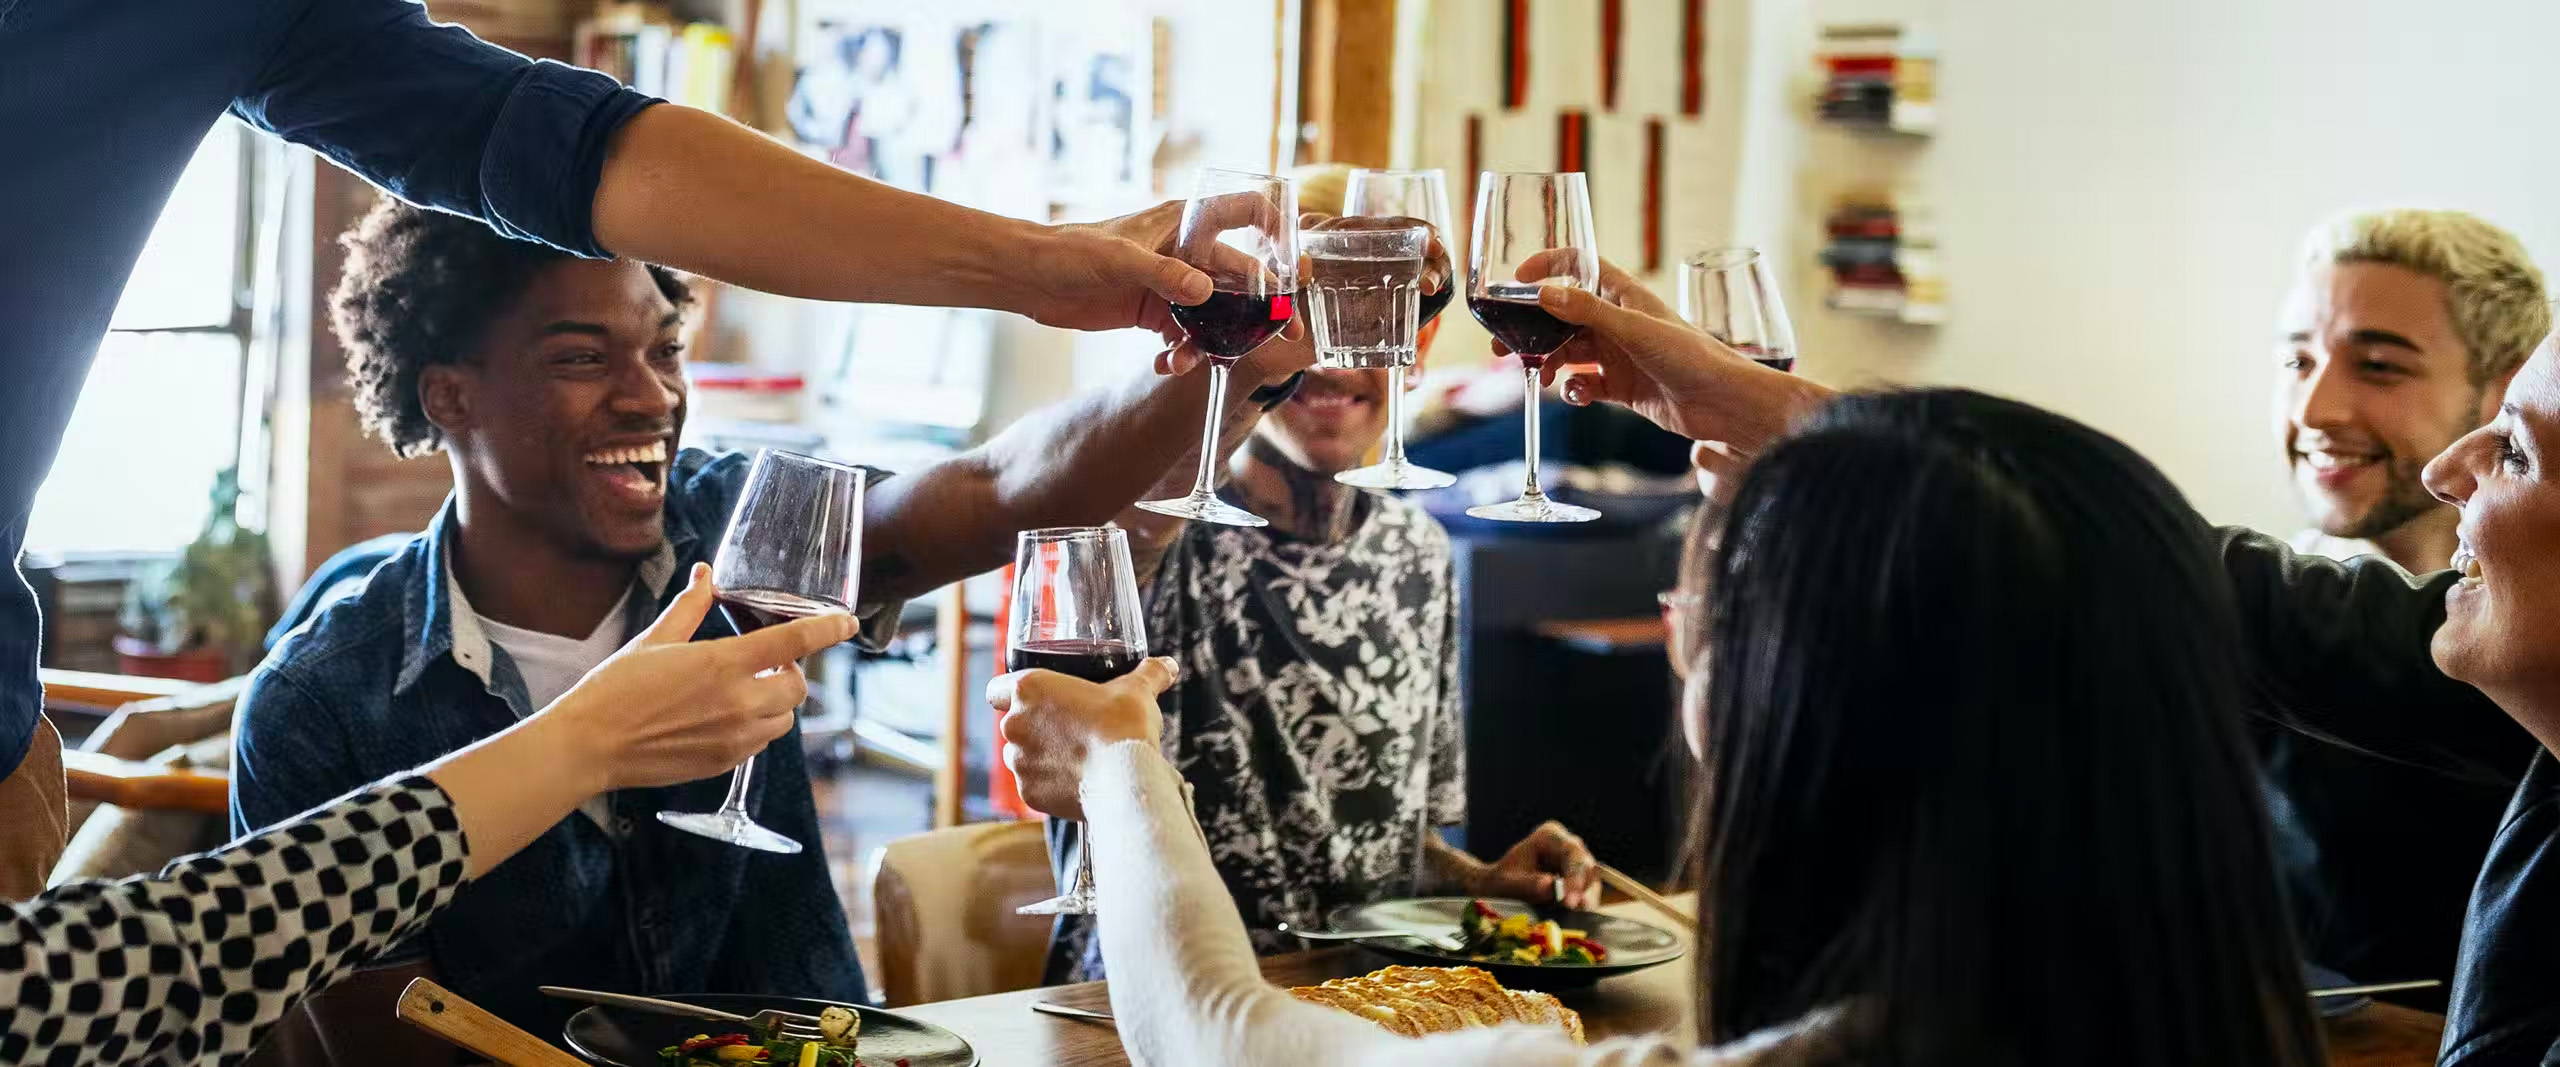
(1413, 194)
(1532, 230)
(1240, 229)
(1076, 612)
(1728, 294)
(793, 549)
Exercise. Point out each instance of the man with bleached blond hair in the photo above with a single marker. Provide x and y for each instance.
(2401, 332)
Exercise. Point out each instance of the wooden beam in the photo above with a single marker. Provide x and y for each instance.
(89, 689)
(1348, 81)
(90, 776)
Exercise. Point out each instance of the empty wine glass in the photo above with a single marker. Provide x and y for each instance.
(1413, 194)
(1240, 229)
(793, 549)
(1532, 230)
(1728, 294)
(1076, 612)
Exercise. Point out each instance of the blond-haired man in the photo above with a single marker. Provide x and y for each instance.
(2401, 332)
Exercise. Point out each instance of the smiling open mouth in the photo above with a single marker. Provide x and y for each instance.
(2326, 461)
(637, 470)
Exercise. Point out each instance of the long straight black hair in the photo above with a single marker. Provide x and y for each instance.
(1975, 765)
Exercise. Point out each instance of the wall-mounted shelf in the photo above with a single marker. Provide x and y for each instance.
(1880, 78)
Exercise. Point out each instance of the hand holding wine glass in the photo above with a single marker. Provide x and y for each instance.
(1052, 723)
(1075, 612)
(1729, 293)
(1633, 352)
(1387, 198)
(1533, 232)
(1241, 229)
(793, 549)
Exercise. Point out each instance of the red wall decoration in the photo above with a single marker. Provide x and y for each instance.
(1573, 141)
(1613, 17)
(1515, 54)
(1653, 166)
(1693, 57)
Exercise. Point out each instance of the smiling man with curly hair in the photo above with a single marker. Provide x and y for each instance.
(555, 389)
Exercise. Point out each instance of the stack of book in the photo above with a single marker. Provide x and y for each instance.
(1883, 257)
(1879, 77)
(641, 46)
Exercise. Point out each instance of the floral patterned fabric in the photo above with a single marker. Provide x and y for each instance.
(1317, 716)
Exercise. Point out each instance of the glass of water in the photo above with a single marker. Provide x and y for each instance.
(1363, 289)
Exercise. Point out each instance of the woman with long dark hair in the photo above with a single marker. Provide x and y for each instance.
(1966, 801)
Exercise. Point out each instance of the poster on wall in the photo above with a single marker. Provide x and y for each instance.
(985, 103)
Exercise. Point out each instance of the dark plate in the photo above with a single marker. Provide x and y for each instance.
(1633, 946)
(621, 1037)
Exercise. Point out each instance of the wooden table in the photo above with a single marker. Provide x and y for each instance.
(1007, 1033)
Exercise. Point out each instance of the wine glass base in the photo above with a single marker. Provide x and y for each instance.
(1204, 508)
(1393, 475)
(733, 827)
(1532, 509)
(1076, 903)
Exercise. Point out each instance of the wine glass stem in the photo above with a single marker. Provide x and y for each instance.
(1207, 481)
(1395, 416)
(1084, 864)
(1529, 431)
(738, 779)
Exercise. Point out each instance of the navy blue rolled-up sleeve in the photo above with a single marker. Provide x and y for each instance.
(443, 119)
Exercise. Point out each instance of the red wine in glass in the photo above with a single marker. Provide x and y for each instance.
(1230, 324)
(1521, 325)
(1093, 661)
(750, 610)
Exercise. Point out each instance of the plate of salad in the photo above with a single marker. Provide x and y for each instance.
(1522, 946)
(855, 1036)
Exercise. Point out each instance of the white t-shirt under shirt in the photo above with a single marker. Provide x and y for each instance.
(550, 664)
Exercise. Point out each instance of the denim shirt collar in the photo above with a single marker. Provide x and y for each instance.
(440, 621)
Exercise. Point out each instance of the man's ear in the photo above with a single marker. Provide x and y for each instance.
(444, 393)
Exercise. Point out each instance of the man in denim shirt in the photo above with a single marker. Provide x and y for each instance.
(555, 387)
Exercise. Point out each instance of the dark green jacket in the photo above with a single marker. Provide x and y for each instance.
(2342, 653)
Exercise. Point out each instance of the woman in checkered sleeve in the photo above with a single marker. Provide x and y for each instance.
(192, 966)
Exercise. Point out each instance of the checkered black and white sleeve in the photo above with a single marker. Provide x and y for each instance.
(194, 964)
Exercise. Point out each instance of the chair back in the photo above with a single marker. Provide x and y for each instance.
(945, 901)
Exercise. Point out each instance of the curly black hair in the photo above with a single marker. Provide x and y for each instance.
(418, 288)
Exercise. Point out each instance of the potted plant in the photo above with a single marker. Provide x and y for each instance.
(200, 617)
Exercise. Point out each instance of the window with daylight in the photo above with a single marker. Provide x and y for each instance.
(160, 414)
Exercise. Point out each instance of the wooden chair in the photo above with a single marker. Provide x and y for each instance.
(945, 901)
(150, 715)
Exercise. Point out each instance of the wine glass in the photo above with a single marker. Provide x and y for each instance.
(1728, 294)
(793, 549)
(1413, 194)
(1076, 612)
(1240, 229)
(1532, 230)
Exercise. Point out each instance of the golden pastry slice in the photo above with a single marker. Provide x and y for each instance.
(1413, 1001)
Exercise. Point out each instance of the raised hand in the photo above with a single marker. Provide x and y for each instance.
(1633, 352)
(1114, 274)
(668, 709)
(1052, 723)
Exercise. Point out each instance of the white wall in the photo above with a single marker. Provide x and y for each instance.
(2121, 184)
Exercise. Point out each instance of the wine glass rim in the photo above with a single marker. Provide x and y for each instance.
(1402, 172)
(1536, 173)
(1072, 533)
(821, 461)
(1235, 172)
(1355, 237)
(1726, 258)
